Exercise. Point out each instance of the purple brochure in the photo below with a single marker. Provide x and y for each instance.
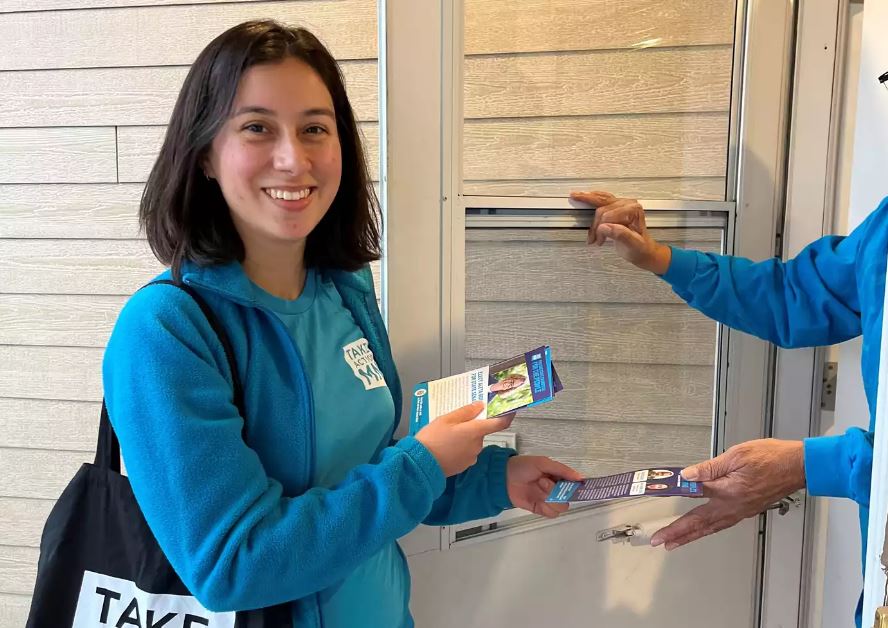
(654, 482)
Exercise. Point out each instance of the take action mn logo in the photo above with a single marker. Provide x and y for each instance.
(360, 358)
(108, 601)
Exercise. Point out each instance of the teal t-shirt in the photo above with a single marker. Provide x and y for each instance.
(353, 411)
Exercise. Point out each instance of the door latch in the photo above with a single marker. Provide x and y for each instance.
(619, 534)
(783, 506)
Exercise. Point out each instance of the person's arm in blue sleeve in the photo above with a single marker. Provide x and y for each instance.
(235, 540)
(478, 492)
(840, 466)
(807, 301)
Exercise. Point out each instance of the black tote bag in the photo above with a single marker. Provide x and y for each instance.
(100, 565)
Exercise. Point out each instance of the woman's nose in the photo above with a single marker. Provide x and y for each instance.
(291, 156)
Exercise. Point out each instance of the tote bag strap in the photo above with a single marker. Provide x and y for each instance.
(108, 447)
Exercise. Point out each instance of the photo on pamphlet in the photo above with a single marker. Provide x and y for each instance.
(655, 482)
(508, 388)
(522, 381)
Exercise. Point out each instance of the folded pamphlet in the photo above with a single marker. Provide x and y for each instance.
(659, 482)
(523, 381)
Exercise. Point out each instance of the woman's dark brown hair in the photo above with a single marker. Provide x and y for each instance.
(185, 216)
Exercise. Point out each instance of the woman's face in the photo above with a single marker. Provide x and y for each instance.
(277, 159)
(507, 384)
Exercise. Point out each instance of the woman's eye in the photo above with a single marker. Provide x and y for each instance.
(255, 127)
(315, 129)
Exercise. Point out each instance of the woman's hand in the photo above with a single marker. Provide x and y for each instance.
(455, 439)
(530, 479)
(622, 220)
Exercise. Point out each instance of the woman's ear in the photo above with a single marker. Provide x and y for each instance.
(207, 168)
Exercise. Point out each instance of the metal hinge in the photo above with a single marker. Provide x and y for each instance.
(828, 387)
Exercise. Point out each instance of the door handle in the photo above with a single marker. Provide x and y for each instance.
(783, 506)
(618, 534)
(640, 533)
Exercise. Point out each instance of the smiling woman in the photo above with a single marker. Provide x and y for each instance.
(276, 124)
(265, 467)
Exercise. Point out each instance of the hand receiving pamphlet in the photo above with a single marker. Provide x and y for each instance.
(659, 482)
(520, 382)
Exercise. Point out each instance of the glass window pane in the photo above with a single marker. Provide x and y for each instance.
(632, 96)
(638, 365)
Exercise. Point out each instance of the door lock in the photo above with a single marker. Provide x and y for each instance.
(783, 506)
(619, 534)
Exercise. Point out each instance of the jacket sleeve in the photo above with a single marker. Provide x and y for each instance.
(807, 301)
(840, 466)
(227, 529)
(478, 492)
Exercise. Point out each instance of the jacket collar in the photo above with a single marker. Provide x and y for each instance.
(230, 280)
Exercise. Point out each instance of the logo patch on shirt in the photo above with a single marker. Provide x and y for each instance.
(363, 365)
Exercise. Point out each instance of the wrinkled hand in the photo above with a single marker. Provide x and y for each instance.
(622, 220)
(530, 479)
(740, 483)
(455, 439)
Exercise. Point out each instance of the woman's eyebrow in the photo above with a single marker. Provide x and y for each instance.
(314, 111)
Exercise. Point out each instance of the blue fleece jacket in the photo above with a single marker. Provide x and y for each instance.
(832, 291)
(239, 521)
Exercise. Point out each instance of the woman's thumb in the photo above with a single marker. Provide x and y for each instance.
(466, 413)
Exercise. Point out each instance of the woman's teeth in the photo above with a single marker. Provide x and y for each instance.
(288, 195)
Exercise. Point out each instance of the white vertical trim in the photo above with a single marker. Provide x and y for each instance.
(874, 582)
(808, 203)
(413, 200)
(413, 185)
(867, 189)
(454, 241)
(764, 127)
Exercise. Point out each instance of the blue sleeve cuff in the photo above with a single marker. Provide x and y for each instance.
(840, 466)
(824, 473)
(497, 472)
(682, 268)
(424, 459)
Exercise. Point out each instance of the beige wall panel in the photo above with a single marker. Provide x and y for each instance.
(101, 211)
(58, 320)
(63, 373)
(524, 271)
(542, 25)
(129, 96)
(14, 610)
(698, 188)
(106, 211)
(138, 147)
(109, 267)
(142, 36)
(18, 570)
(47, 424)
(627, 393)
(21, 521)
(73, 320)
(599, 82)
(631, 334)
(62, 155)
(38, 474)
(661, 145)
(11, 6)
(604, 448)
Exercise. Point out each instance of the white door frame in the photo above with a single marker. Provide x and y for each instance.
(421, 122)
